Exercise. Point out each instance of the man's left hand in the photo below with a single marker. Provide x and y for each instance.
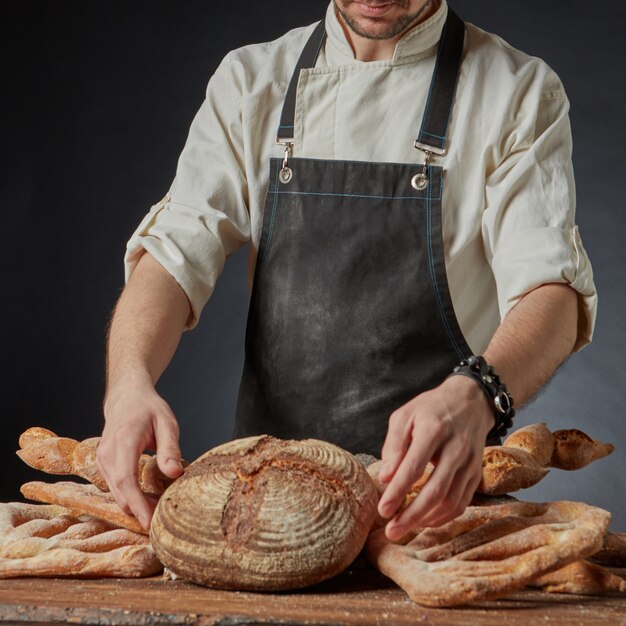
(446, 426)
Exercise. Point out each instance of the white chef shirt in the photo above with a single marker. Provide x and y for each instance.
(508, 199)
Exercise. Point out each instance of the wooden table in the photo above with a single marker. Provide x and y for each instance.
(356, 597)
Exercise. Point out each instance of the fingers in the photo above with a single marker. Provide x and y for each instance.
(167, 448)
(451, 511)
(396, 443)
(117, 458)
(447, 426)
(136, 422)
(435, 490)
(406, 465)
(412, 467)
(137, 501)
(444, 497)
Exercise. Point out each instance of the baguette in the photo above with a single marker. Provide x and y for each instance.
(574, 449)
(82, 500)
(42, 449)
(508, 469)
(535, 439)
(521, 462)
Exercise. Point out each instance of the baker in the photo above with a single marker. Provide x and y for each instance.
(414, 260)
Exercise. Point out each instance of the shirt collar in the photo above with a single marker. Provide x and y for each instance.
(419, 39)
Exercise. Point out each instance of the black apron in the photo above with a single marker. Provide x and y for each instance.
(350, 314)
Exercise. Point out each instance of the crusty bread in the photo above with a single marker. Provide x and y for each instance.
(489, 551)
(46, 540)
(613, 550)
(535, 439)
(34, 434)
(82, 462)
(44, 450)
(508, 469)
(50, 454)
(81, 500)
(265, 514)
(574, 449)
(521, 461)
(580, 577)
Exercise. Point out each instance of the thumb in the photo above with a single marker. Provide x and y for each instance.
(167, 448)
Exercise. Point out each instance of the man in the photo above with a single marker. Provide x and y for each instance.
(380, 262)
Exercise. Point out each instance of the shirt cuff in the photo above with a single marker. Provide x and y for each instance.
(194, 265)
(547, 255)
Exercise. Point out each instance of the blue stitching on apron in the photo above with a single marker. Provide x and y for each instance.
(443, 138)
(417, 166)
(431, 264)
(271, 226)
(425, 132)
(351, 195)
(261, 259)
(456, 84)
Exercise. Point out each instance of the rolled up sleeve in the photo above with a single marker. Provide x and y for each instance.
(529, 229)
(204, 218)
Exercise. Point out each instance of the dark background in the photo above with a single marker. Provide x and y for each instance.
(98, 97)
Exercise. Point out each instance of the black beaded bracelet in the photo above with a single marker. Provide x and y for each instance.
(476, 367)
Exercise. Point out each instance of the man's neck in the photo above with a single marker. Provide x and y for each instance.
(380, 49)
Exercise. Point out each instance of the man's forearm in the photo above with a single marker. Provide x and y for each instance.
(536, 336)
(147, 325)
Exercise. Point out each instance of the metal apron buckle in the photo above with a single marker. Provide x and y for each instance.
(420, 181)
(286, 173)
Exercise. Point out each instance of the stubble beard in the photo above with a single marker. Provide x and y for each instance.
(393, 30)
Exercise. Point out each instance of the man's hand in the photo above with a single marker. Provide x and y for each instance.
(137, 418)
(447, 426)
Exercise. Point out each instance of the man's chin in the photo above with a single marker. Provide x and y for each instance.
(371, 28)
(384, 27)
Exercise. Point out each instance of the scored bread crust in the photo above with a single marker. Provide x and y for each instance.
(46, 540)
(536, 439)
(489, 551)
(265, 514)
(82, 500)
(574, 449)
(508, 469)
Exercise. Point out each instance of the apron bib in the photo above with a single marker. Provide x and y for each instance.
(350, 314)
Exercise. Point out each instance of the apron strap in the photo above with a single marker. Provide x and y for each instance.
(307, 59)
(432, 134)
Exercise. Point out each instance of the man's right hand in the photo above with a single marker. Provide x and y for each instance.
(147, 324)
(136, 419)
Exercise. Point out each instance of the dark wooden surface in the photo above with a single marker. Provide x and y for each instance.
(358, 597)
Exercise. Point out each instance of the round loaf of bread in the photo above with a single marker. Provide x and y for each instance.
(265, 514)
